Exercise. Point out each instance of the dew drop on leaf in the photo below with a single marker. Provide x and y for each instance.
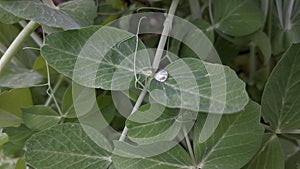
(161, 75)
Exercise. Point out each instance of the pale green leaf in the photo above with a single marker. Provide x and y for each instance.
(64, 16)
(8, 18)
(15, 77)
(8, 119)
(3, 138)
(40, 117)
(20, 164)
(269, 156)
(280, 102)
(200, 86)
(237, 17)
(154, 123)
(65, 146)
(234, 142)
(97, 57)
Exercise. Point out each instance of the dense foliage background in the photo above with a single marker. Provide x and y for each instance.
(255, 38)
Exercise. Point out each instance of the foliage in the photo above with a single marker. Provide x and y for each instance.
(78, 69)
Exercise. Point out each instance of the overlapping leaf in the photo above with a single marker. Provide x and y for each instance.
(196, 85)
(97, 57)
(237, 17)
(65, 146)
(280, 101)
(69, 15)
(233, 143)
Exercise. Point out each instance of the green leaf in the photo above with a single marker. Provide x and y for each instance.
(280, 101)
(69, 15)
(76, 54)
(65, 146)
(155, 123)
(40, 117)
(107, 108)
(199, 86)
(293, 162)
(16, 77)
(20, 164)
(234, 142)
(237, 17)
(67, 104)
(8, 18)
(17, 137)
(3, 138)
(11, 103)
(8, 119)
(176, 158)
(269, 156)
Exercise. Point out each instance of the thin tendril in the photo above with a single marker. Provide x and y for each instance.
(135, 53)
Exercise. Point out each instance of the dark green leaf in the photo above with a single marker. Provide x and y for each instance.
(269, 156)
(237, 17)
(280, 101)
(8, 18)
(234, 142)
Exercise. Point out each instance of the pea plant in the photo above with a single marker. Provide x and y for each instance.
(134, 84)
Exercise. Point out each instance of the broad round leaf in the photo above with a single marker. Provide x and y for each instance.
(237, 17)
(234, 142)
(280, 102)
(69, 15)
(199, 86)
(97, 57)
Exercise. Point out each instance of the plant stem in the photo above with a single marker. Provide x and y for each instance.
(16, 44)
(279, 11)
(156, 61)
(164, 35)
(288, 15)
(195, 9)
(188, 143)
(270, 17)
(58, 83)
(211, 13)
(50, 3)
(33, 35)
(135, 108)
(252, 62)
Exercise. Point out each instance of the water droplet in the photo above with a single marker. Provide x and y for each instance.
(161, 75)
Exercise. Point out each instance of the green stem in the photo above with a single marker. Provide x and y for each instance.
(135, 108)
(34, 35)
(58, 83)
(270, 17)
(288, 15)
(279, 11)
(252, 62)
(211, 13)
(17, 44)
(156, 61)
(195, 9)
(164, 35)
(188, 143)
(50, 3)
